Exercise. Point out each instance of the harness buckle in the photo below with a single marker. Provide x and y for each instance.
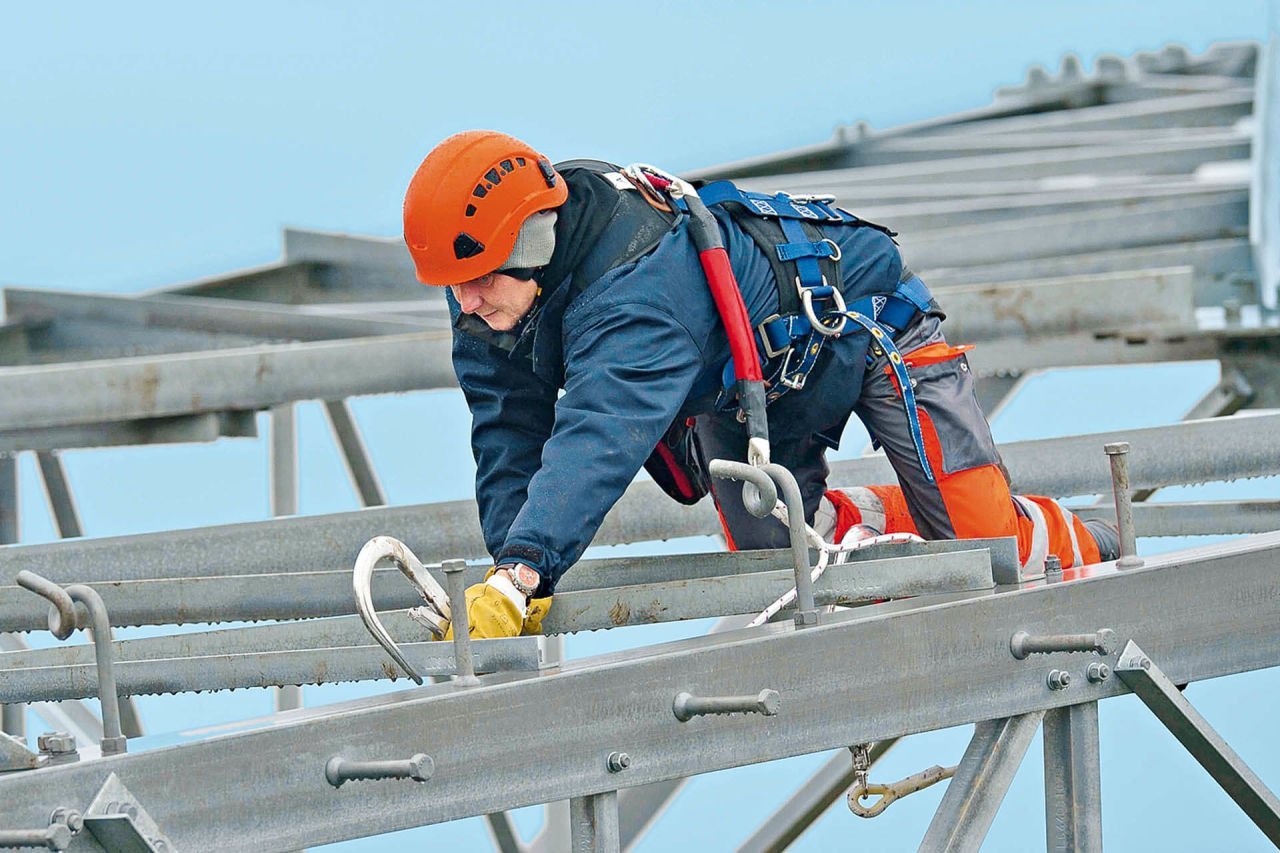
(806, 299)
(794, 383)
(763, 334)
(820, 198)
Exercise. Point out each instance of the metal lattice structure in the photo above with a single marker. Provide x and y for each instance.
(1124, 216)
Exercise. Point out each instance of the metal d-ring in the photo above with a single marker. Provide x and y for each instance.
(819, 326)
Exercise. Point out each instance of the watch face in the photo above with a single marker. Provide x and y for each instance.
(525, 578)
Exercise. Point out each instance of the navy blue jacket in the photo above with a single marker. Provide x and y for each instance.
(631, 350)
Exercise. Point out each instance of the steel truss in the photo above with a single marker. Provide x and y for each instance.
(623, 702)
(1123, 216)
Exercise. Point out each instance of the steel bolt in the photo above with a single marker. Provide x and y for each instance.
(115, 745)
(618, 761)
(1098, 672)
(455, 583)
(687, 706)
(806, 618)
(126, 808)
(56, 743)
(1022, 644)
(58, 747)
(1059, 679)
(1052, 568)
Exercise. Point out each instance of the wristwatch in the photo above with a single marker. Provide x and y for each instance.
(522, 577)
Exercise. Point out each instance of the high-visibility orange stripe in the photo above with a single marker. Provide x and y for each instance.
(897, 518)
(847, 513)
(1088, 548)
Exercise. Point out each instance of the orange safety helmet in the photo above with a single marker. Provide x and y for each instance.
(467, 201)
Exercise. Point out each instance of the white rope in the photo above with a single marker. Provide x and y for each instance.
(826, 550)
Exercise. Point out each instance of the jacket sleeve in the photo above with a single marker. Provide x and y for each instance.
(628, 370)
(512, 412)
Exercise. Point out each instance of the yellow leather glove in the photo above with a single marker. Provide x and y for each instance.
(538, 610)
(491, 614)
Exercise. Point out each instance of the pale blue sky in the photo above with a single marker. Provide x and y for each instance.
(142, 144)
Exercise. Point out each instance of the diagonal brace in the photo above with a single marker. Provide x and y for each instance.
(1164, 699)
(981, 781)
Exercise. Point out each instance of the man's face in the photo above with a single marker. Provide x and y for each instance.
(498, 299)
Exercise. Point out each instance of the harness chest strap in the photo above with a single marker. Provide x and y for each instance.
(806, 256)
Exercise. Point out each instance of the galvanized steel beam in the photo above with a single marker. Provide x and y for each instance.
(1147, 223)
(182, 429)
(1167, 158)
(624, 702)
(1191, 452)
(1198, 451)
(593, 823)
(741, 587)
(910, 216)
(364, 478)
(1194, 518)
(262, 320)
(978, 312)
(62, 503)
(71, 717)
(1193, 110)
(193, 673)
(1073, 779)
(246, 378)
(1166, 701)
(1223, 269)
(1264, 199)
(982, 779)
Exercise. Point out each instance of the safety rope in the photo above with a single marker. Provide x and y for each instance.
(826, 551)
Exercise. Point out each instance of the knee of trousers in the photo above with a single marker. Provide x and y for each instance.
(1050, 528)
(841, 509)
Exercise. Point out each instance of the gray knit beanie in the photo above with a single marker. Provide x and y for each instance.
(534, 244)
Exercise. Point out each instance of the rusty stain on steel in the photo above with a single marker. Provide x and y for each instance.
(619, 613)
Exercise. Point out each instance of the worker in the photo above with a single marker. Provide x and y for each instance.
(587, 344)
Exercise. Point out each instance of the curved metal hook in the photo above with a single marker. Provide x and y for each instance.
(62, 616)
(376, 549)
(759, 501)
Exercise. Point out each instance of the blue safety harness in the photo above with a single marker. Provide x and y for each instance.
(785, 227)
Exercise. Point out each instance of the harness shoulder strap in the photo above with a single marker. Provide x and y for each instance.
(633, 227)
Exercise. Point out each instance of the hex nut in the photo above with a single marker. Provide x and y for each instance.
(806, 618)
(56, 743)
(1059, 679)
(115, 745)
(69, 818)
(1098, 672)
(618, 761)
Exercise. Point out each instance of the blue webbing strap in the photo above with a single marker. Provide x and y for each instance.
(904, 381)
(808, 249)
(781, 206)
